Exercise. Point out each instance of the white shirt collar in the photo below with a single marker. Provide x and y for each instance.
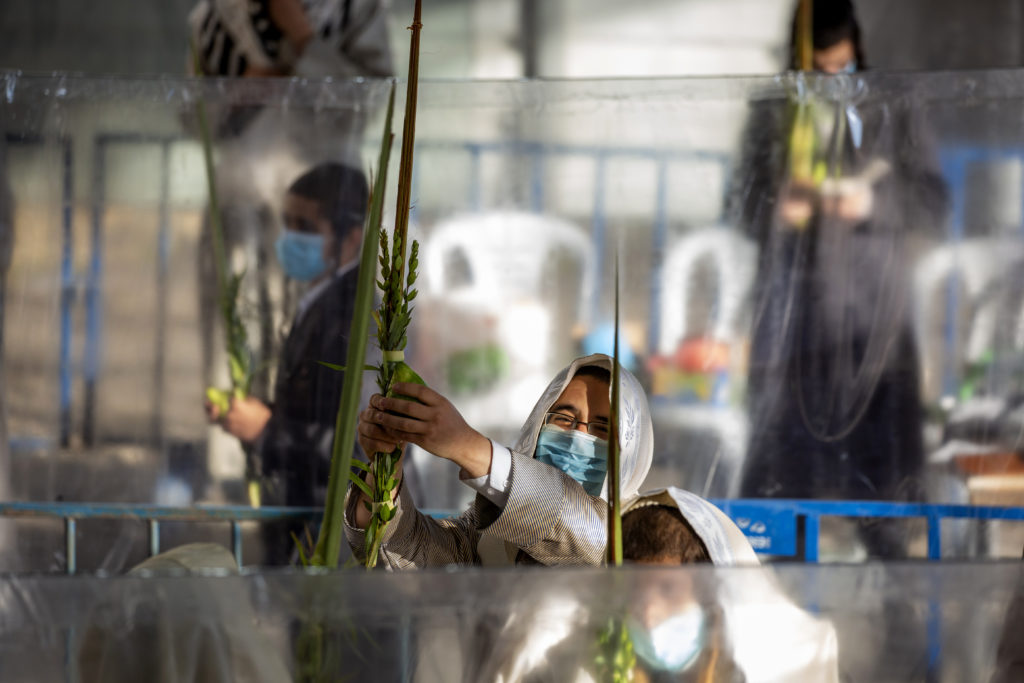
(314, 292)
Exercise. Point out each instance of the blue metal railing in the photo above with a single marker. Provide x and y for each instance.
(770, 525)
(154, 516)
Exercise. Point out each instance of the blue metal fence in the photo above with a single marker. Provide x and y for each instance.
(770, 525)
(153, 516)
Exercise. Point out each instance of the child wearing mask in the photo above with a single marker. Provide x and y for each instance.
(319, 244)
(702, 626)
(693, 624)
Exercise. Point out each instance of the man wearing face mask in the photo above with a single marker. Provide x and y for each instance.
(541, 502)
(319, 245)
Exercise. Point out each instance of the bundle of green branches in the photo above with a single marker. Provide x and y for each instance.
(398, 275)
(236, 343)
(392, 318)
(328, 544)
(240, 364)
(315, 661)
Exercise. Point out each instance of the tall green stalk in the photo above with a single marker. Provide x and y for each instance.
(240, 365)
(314, 661)
(328, 545)
(398, 275)
(236, 343)
(614, 553)
(615, 659)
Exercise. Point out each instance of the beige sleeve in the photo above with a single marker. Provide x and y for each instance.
(414, 540)
(550, 516)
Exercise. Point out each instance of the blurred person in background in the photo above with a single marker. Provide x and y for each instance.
(261, 143)
(834, 377)
(732, 631)
(292, 437)
(192, 629)
(308, 38)
(692, 625)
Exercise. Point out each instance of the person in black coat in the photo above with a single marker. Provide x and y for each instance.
(834, 375)
(292, 437)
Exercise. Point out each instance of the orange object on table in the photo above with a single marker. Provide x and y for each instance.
(989, 463)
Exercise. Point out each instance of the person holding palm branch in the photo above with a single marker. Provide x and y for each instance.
(543, 501)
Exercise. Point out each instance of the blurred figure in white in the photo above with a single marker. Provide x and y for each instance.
(743, 629)
(685, 626)
(308, 38)
(196, 625)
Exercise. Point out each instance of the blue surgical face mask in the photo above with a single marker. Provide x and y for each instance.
(580, 455)
(301, 254)
(850, 68)
(672, 645)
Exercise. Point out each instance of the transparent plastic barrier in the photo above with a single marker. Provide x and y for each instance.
(524, 193)
(886, 622)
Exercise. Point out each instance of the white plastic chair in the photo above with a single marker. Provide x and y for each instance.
(505, 253)
(507, 299)
(712, 465)
(734, 258)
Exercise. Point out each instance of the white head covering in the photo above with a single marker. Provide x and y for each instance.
(636, 432)
(760, 619)
(725, 542)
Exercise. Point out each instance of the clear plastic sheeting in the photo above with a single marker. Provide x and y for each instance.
(876, 623)
(869, 349)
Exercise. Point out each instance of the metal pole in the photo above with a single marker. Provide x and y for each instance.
(529, 36)
(93, 294)
(660, 239)
(812, 528)
(236, 541)
(67, 295)
(162, 259)
(154, 537)
(70, 545)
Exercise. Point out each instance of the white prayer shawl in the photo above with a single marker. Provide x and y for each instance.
(772, 639)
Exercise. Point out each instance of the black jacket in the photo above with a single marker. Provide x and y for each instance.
(833, 383)
(295, 447)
